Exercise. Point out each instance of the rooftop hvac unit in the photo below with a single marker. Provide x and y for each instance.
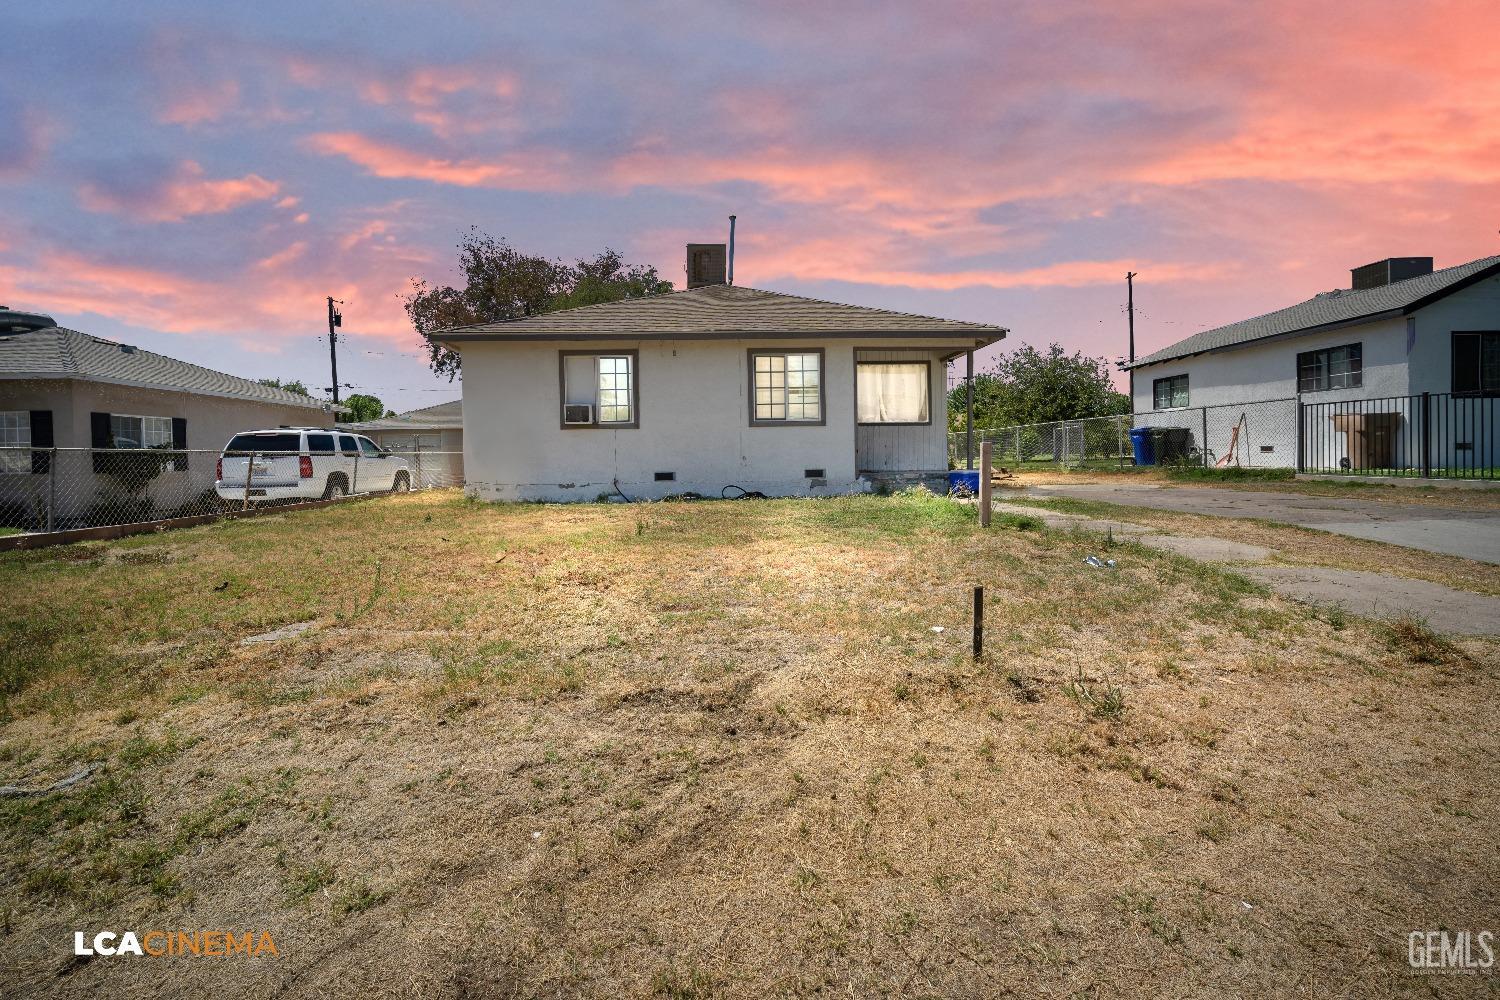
(578, 413)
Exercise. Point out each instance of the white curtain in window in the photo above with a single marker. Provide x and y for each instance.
(892, 393)
(580, 376)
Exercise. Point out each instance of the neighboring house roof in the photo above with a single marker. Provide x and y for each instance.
(715, 312)
(442, 416)
(59, 353)
(1331, 310)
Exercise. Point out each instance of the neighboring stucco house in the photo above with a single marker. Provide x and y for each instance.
(706, 389)
(63, 389)
(430, 439)
(1350, 367)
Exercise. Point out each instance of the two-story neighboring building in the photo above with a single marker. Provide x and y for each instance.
(1340, 378)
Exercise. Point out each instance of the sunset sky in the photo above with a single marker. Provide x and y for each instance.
(194, 180)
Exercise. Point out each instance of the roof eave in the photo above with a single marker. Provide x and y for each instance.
(310, 403)
(987, 336)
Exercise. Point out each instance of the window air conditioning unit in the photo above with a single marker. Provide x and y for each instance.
(578, 413)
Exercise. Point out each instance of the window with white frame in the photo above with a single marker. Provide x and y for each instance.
(599, 390)
(787, 387)
(130, 431)
(15, 435)
(893, 392)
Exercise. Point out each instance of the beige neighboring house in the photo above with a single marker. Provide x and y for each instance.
(430, 439)
(704, 390)
(69, 390)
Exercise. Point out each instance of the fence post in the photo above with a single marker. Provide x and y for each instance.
(1018, 447)
(1120, 441)
(986, 456)
(52, 491)
(249, 465)
(1204, 447)
(1427, 435)
(1301, 435)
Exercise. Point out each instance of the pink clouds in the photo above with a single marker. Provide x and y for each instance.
(185, 192)
(201, 104)
(527, 171)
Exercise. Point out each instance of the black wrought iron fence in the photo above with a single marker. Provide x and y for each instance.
(1431, 435)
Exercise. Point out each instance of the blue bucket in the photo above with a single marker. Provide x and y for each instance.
(964, 482)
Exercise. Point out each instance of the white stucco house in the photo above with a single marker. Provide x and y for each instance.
(1337, 382)
(703, 390)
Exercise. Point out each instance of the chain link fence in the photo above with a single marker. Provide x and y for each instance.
(1239, 435)
(59, 489)
(1097, 442)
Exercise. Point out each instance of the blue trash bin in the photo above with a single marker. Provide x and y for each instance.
(1140, 443)
(964, 482)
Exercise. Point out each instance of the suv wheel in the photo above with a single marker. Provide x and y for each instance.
(336, 488)
(402, 484)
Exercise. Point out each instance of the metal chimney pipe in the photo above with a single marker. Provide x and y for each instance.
(731, 250)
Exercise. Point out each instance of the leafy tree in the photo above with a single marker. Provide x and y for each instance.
(501, 282)
(1028, 386)
(362, 407)
(293, 386)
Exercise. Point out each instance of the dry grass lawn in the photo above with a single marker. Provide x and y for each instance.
(691, 750)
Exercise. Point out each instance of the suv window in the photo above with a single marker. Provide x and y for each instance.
(348, 445)
(266, 442)
(320, 444)
(368, 447)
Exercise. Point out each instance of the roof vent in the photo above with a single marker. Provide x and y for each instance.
(23, 322)
(127, 349)
(1383, 272)
(706, 264)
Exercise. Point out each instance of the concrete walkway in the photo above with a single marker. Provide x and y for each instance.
(1453, 531)
(1370, 595)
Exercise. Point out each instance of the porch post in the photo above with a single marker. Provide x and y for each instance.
(969, 381)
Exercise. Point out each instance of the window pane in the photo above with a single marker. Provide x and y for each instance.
(787, 387)
(320, 444)
(156, 432)
(892, 393)
(125, 430)
(614, 390)
(15, 434)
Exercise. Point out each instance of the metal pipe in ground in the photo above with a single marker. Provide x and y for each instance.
(986, 457)
(978, 623)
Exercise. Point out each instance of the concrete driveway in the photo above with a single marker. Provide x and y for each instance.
(1450, 530)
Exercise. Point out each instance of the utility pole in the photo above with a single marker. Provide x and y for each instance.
(1130, 319)
(335, 320)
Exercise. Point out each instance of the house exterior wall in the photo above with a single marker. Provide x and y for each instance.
(694, 414)
(211, 422)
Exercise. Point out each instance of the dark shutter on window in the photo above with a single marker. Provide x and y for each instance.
(179, 442)
(101, 438)
(41, 437)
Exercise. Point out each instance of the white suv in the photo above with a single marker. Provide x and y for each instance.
(306, 463)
